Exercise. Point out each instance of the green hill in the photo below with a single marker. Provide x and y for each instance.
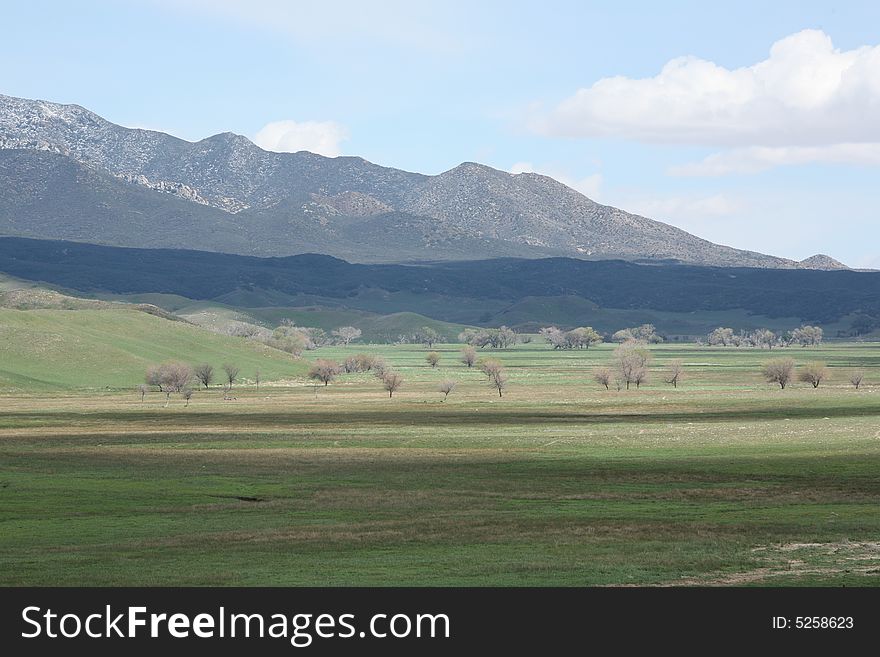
(76, 349)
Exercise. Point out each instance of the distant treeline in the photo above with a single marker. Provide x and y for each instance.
(813, 296)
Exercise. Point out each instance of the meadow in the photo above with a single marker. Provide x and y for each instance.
(725, 480)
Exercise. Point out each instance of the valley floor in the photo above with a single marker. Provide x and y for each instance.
(725, 480)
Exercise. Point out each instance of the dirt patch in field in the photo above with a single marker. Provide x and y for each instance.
(793, 560)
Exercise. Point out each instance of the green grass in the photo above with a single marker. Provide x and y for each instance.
(100, 349)
(725, 480)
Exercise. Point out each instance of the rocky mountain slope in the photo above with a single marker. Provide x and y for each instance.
(67, 173)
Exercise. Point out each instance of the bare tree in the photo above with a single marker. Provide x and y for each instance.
(143, 389)
(631, 362)
(231, 373)
(603, 376)
(323, 371)
(446, 387)
(490, 367)
(498, 380)
(856, 377)
(170, 377)
(433, 358)
(378, 367)
(392, 382)
(469, 356)
(258, 378)
(674, 372)
(187, 395)
(205, 374)
(346, 334)
(153, 377)
(779, 370)
(814, 374)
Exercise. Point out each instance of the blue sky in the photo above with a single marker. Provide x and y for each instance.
(751, 125)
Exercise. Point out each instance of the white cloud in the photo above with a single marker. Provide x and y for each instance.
(806, 93)
(589, 186)
(754, 159)
(322, 137)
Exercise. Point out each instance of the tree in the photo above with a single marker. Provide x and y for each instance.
(258, 378)
(674, 372)
(143, 389)
(721, 337)
(498, 380)
(553, 336)
(392, 382)
(504, 338)
(323, 371)
(623, 335)
(346, 334)
(763, 338)
(814, 373)
(631, 362)
(446, 387)
(291, 339)
(582, 338)
(856, 377)
(170, 377)
(646, 333)
(807, 336)
(469, 356)
(490, 367)
(187, 395)
(205, 374)
(603, 376)
(231, 373)
(427, 336)
(378, 366)
(153, 378)
(433, 358)
(779, 370)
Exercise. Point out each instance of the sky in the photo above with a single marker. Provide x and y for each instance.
(751, 124)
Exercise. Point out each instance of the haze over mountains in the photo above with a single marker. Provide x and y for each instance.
(66, 173)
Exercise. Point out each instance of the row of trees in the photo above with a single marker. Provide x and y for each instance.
(805, 336)
(294, 339)
(500, 338)
(325, 371)
(175, 377)
(783, 371)
(579, 338)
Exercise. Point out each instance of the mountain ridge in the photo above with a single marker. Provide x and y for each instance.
(287, 203)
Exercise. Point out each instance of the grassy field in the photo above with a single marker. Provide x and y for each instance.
(101, 349)
(725, 480)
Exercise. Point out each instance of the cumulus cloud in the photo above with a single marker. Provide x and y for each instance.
(322, 137)
(589, 186)
(805, 94)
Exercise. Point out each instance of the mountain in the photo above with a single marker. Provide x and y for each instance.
(68, 173)
(822, 261)
(524, 292)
